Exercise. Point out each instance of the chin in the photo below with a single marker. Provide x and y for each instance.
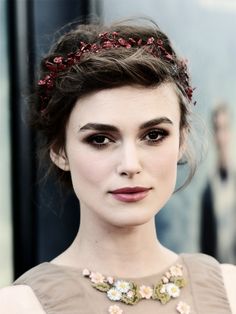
(131, 220)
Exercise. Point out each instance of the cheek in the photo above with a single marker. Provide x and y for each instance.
(87, 169)
(165, 164)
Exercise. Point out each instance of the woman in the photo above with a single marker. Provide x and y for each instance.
(113, 105)
(218, 201)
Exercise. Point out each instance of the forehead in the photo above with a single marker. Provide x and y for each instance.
(128, 103)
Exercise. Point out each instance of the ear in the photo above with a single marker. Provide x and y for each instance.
(60, 159)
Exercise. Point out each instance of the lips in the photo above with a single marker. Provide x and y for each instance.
(128, 190)
(130, 194)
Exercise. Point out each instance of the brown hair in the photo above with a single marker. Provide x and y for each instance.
(106, 68)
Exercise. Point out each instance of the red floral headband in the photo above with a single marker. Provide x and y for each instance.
(107, 41)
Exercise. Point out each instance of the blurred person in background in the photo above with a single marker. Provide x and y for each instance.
(113, 106)
(218, 212)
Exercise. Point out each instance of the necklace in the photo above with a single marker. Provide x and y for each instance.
(130, 293)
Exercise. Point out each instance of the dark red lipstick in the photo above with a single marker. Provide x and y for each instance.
(130, 194)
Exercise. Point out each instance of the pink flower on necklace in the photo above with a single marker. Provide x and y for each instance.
(86, 272)
(130, 294)
(145, 292)
(115, 309)
(183, 308)
(168, 275)
(176, 271)
(164, 279)
(97, 277)
(110, 280)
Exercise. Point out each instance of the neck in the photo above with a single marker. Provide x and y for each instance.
(121, 251)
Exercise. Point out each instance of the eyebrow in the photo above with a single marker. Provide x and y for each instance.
(112, 128)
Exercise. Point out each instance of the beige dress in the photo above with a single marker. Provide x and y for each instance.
(64, 290)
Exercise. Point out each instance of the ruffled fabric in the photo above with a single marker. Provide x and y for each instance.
(206, 284)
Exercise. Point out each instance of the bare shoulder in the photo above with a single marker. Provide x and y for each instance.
(19, 299)
(229, 276)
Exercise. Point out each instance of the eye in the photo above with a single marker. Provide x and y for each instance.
(98, 140)
(154, 136)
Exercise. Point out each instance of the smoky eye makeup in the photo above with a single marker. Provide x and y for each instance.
(98, 140)
(102, 135)
(155, 135)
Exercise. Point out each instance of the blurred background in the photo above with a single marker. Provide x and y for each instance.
(37, 220)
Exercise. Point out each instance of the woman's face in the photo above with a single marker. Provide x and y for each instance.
(122, 148)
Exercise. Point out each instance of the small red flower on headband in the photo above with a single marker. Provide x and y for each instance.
(58, 60)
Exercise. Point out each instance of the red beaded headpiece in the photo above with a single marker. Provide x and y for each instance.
(109, 41)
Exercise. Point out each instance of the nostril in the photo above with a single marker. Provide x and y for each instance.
(129, 173)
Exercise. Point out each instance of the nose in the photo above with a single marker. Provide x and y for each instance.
(129, 163)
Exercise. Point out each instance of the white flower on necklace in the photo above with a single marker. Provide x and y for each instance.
(183, 308)
(172, 290)
(115, 309)
(122, 286)
(114, 294)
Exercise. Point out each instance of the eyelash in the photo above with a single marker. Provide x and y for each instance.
(161, 135)
(91, 140)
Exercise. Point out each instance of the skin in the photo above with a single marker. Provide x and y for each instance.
(115, 233)
(132, 155)
(127, 156)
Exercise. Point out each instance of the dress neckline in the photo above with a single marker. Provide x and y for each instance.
(179, 260)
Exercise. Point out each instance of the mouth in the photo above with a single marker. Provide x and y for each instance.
(130, 194)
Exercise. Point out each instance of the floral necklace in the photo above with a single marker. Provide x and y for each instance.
(130, 293)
